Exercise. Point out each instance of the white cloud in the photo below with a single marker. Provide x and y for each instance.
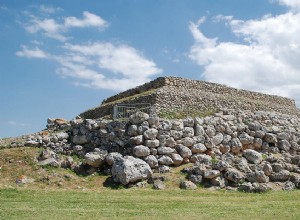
(126, 66)
(267, 61)
(32, 53)
(55, 29)
(89, 20)
(293, 4)
(49, 9)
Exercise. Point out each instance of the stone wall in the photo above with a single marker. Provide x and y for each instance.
(173, 93)
(231, 148)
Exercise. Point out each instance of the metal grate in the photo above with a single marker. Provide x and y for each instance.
(122, 112)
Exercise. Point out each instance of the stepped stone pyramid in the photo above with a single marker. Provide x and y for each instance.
(180, 94)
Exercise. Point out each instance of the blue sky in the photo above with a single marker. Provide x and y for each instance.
(59, 58)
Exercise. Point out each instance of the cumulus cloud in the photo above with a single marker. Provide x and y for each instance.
(56, 30)
(266, 60)
(89, 20)
(106, 65)
(34, 52)
(293, 4)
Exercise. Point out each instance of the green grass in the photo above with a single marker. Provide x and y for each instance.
(147, 204)
(130, 98)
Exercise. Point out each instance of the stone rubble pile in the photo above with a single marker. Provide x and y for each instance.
(253, 151)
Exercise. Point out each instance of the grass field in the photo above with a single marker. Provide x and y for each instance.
(147, 204)
(61, 194)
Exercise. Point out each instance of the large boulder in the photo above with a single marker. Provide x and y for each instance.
(129, 170)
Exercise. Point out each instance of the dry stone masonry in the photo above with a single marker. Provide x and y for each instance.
(177, 94)
(253, 151)
(251, 142)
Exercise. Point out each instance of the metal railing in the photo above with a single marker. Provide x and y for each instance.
(122, 112)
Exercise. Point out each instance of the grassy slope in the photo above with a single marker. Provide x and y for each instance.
(87, 198)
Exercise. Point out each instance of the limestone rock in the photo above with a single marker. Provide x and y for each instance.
(198, 148)
(165, 160)
(141, 151)
(252, 156)
(150, 134)
(138, 118)
(152, 161)
(188, 185)
(129, 169)
(111, 157)
(95, 159)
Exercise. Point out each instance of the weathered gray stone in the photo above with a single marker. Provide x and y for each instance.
(141, 151)
(267, 169)
(188, 122)
(201, 159)
(277, 167)
(132, 130)
(234, 175)
(188, 132)
(221, 165)
(199, 130)
(170, 142)
(165, 150)
(137, 140)
(62, 135)
(236, 146)
(210, 174)
(188, 141)
(165, 160)
(111, 157)
(95, 159)
(257, 176)
(152, 143)
(177, 159)
(80, 139)
(176, 134)
(129, 169)
(197, 179)
(284, 145)
(150, 134)
(288, 186)
(152, 161)
(281, 176)
(158, 184)
(153, 121)
(184, 151)
(246, 187)
(219, 181)
(188, 185)
(138, 118)
(198, 148)
(270, 138)
(217, 139)
(177, 125)
(245, 138)
(252, 156)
